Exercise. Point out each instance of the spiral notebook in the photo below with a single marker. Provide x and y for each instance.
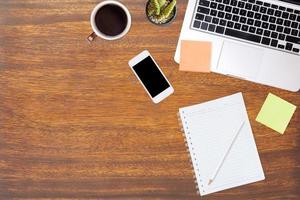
(208, 129)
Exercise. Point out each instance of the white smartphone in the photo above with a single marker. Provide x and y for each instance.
(150, 75)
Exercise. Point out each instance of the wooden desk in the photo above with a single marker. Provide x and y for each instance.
(75, 123)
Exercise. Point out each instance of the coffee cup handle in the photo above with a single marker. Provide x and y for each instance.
(91, 37)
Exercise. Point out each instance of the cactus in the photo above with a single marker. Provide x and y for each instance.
(168, 10)
(161, 3)
(161, 10)
(155, 4)
(151, 9)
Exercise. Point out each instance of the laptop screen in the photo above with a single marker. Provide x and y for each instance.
(292, 1)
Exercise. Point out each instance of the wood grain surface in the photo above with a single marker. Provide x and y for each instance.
(75, 122)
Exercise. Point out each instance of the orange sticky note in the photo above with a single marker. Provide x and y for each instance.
(195, 56)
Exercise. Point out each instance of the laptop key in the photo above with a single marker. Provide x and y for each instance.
(213, 12)
(199, 16)
(279, 21)
(203, 10)
(281, 36)
(204, 3)
(235, 11)
(248, 6)
(287, 22)
(282, 8)
(292, 39)
(222, 22)
(243, 20)
(220, 29)
(294, 25)
(237, 26)
(259, 2)
(235, 18)
(196, 24)
(285, 15)
(245, 27)
(208, 18)
(287, 30)
(265, 18)
(213, 5)
(228, 16)
(270, 11)
(255, 8)
(278, 13)
(272, 19)
(252, 29)
(296, 50)
(233, 2)
(226, 1)
(257, 16)
(272, 27)
(228, 8)
(274, 43)
(204, 26)
(242, 35)
(243, 12)
(250, 14)
(257, 23)
(221, 7)
(250, 21)
(292, 17)
(279, 29)
(294, 32)
(274, 35)
(221, 14)
(241, 4)
(230, 24)
(266, 41)
(211, 27)
(265, 25)
(289, 46)
(215, 20)
(263, 9)
(259, 31)
(267, 33)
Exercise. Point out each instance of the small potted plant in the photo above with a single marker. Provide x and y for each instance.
(161, 12)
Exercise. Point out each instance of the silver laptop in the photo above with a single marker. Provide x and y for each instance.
(256, 40)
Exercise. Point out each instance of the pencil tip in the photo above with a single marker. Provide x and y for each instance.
(210, 181)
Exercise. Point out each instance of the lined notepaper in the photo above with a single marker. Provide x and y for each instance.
(209, 129)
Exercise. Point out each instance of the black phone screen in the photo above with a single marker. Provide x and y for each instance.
(151, 76)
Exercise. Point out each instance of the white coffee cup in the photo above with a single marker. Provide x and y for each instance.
(97, 32)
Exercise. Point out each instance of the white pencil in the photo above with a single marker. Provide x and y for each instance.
(225, 155)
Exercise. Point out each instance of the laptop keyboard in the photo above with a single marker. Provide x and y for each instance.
(254, 21)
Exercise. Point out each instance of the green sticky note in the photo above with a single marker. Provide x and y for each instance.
(276, 113)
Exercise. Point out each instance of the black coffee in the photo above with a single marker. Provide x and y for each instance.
(111, 20)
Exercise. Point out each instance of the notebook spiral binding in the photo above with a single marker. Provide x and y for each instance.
(190, 158)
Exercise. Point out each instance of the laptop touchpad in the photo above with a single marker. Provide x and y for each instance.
(240, 60)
